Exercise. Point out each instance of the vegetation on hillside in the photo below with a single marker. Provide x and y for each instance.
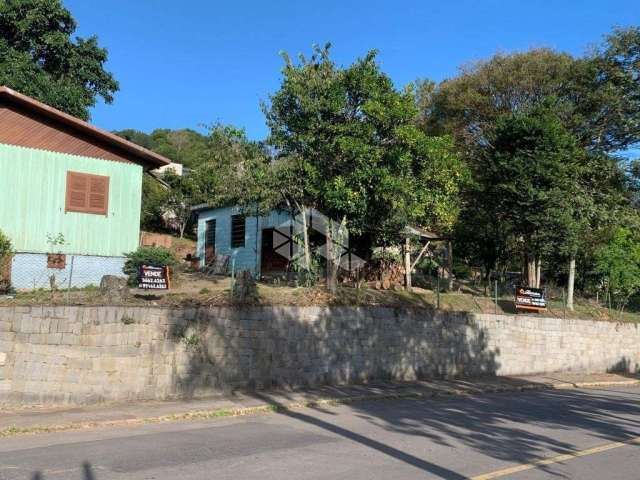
(517, 158)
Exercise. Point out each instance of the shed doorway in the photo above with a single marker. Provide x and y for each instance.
(210, 242)
(270, 260)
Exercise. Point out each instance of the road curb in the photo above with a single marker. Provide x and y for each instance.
(278, 407)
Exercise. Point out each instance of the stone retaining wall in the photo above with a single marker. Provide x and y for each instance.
(81, 355)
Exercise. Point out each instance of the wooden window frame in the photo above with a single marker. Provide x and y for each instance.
(235, 218)
(68, 207)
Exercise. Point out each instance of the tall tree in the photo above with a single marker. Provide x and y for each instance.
(595, 97)
(39, 57)
(361, 158)
(598, 94)
(528, 171)
(618, 262)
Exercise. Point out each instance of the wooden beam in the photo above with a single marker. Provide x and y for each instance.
(419, 257)
(407, 263)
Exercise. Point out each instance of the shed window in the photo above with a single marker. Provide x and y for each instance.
(237, 231)
(87, 193)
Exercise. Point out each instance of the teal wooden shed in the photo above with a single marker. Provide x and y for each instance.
(251, 242)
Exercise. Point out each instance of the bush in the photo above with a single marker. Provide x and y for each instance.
(6, 250)
(152, 256)
(618, 263)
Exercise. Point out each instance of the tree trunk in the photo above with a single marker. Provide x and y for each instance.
(305, 237)
(530, 271)
(538, 271)
(450, 265)
(332, 268)
(571, 282)
(407, 264)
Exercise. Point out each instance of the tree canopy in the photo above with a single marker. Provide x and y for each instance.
(39, 57)
(357, 150)
(598, 94)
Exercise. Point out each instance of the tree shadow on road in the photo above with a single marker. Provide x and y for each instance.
(249, 350)
(87, 473)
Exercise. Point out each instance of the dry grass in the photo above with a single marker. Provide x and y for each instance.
(192, 289)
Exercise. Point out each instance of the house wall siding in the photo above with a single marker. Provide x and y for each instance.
(247, 257)
(32, 203)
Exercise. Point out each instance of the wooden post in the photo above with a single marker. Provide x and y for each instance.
(407, 264)
(450, 265)
(571, 282)
(331, 265)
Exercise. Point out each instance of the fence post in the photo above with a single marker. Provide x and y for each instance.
(70, 277)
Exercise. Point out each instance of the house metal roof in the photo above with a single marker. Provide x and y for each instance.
(138, 154)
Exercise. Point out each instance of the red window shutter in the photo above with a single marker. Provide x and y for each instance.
(87, 193)
(98, 194)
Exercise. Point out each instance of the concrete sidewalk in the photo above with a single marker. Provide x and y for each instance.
(39, 420)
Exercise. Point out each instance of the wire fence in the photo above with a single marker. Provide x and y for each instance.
(41, 279)
(53, 277)
(33, 271)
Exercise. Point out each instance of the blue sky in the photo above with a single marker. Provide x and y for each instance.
(188, 63)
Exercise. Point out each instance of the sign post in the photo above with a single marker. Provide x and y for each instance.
(153, 278)
(528, 298)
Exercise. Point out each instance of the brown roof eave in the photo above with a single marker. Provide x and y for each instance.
(141, 155)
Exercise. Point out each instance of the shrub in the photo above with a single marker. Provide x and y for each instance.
(152, 256)
(6, 250)
(618, 263)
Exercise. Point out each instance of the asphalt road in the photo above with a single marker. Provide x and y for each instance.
(597, 432)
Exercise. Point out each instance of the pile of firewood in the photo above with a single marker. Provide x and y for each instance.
(385, 275)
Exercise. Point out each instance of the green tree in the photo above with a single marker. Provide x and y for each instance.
(223, 167)
(39, 57)
(470, 104)
(359, 156)
(633, 179)
(184, 193)
(609, 92)
(6, 251)
(598, 94)
(154, 199)
(618, 262)
(527, 173)
(594, 97)
(185, 146)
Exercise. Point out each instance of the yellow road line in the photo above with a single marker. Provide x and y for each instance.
(557, 459)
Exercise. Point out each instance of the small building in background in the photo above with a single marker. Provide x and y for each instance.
(247, 241)
(70, 194)
(176, 168)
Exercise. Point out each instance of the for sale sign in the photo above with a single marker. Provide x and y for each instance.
(530, 298)
(153, 278)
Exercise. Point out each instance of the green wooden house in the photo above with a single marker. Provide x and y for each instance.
(70, 194)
